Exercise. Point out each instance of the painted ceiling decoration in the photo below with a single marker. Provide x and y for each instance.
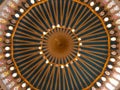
(59, 44)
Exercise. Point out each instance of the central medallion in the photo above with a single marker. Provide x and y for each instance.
(61, 44)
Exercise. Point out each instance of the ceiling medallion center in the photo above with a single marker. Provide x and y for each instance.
(60, 45)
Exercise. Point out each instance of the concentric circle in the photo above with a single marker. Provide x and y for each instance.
(74, 55)
(60, 45)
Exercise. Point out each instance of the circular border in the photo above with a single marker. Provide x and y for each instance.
(79, 2)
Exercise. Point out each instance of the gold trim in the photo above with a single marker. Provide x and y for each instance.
(38, 3)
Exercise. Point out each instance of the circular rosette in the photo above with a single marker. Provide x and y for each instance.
(60, 44)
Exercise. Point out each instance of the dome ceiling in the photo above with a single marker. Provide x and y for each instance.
(60, 45)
